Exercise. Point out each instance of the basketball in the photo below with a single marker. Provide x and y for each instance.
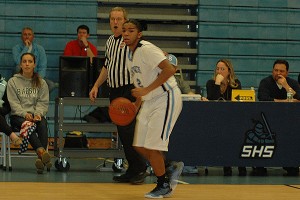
(121, 111)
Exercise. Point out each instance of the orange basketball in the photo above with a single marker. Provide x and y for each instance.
(121, 111)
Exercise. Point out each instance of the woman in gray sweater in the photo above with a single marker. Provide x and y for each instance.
(28, 96)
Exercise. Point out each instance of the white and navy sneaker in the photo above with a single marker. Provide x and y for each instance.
(160, 192)
(173, 173)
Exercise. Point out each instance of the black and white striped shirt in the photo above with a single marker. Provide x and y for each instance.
(115, 62)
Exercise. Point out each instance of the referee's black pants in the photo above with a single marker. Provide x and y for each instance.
(136, 162)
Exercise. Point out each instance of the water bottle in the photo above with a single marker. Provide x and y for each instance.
(289, 95)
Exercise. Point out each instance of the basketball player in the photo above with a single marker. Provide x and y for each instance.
(159, 99)
(120, 84)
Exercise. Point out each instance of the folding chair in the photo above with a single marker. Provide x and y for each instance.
(11, 154)
(3, 150)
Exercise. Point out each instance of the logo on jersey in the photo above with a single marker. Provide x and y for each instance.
(260, 141)
(136, 74)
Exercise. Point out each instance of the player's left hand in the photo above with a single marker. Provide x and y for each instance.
(139, 92)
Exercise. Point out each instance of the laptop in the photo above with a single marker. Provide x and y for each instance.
(243, 95)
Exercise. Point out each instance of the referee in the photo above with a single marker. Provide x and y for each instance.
(116, 74)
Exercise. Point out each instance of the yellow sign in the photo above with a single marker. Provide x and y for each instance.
(243, 95)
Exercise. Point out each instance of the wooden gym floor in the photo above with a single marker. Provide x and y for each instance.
(113, 191)
(91, 179)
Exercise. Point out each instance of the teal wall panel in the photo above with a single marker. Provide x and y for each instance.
(48, 26)
(244, 3)
(207, 47)
(214, 2)
(237, 47)
(272, 48)
(2, 25)
(293, 50)
(293, 4)
(252, 34)
(293, 16)
(54, 10)
(5, 72)
(220, 30)
(54, 23)
(238, 14)
(216, 14)
(272, 3)
(252, 3)
(246, 31)
(80, 11)
(241, 30)
(272, 32)
(272, 16)
(18, 24)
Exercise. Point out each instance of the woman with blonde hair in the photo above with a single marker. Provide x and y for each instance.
(223, 82)
(220, 88)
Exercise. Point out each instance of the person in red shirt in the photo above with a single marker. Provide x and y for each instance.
(81, 46)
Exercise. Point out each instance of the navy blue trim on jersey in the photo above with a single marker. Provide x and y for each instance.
(139, 44)
(166, 116)
(164, 88)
